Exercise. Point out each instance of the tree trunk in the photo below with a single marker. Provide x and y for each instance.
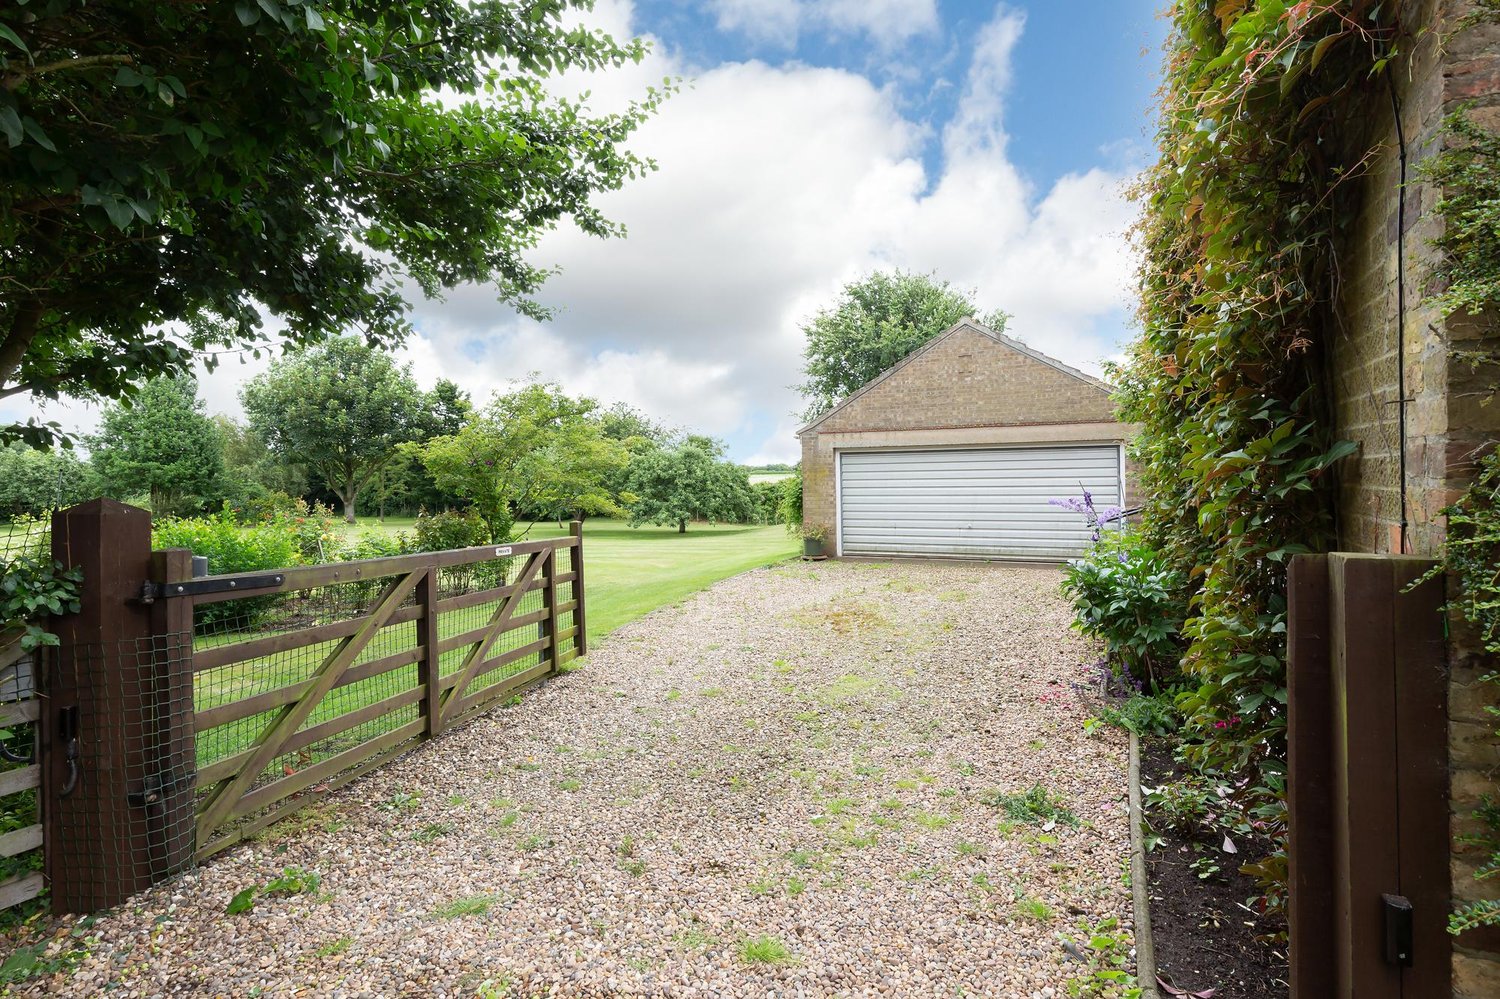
(347, 496)
(682, 527)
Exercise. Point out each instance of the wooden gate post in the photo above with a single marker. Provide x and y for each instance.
(108, 713)
(1368, 789)
(1309, 787)
(580, 619)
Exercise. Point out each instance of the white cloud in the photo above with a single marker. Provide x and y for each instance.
(888, 23)
(778, 185)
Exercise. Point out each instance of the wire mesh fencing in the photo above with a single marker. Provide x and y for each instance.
(344, 666)
(25, 567)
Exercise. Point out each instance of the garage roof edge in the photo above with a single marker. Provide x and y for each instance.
(979, 328)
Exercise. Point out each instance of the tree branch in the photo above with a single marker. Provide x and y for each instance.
(12, 81)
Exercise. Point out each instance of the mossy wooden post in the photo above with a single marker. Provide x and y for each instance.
(580, 619)
(109, 828)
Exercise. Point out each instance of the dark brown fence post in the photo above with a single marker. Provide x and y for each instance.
(1309, 779)
(99, 715)
(1421, 658)
(431, 662)
(1368, 791)
(580, 618)
(552, 652)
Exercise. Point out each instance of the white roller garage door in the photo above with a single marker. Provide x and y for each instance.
(987, 503)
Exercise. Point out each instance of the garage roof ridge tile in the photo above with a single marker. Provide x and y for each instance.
(977, 327)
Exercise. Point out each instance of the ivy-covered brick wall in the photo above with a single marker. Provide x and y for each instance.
(1447, 427)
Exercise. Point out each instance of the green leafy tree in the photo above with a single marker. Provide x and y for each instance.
(341, 409)
(171, 174)
(534, 449)
(876, 322)
(688, 481)
(251, 468)
(33, 481)
(623, 421)
(161, 443)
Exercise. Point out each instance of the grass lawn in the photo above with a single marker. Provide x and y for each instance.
(631, 571)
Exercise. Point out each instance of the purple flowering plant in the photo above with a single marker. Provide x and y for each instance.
(1126, 595)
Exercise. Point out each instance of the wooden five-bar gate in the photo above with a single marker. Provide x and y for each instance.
(185, 713)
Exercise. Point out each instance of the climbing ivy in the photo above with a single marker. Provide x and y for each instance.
(1239, 230)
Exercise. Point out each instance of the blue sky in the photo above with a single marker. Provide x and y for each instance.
(1086, 70)
(814, 141)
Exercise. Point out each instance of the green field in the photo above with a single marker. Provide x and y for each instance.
(631, 571)
(757, 477)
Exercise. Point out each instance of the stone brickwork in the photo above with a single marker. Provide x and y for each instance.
(1446, 427)
(967, 387)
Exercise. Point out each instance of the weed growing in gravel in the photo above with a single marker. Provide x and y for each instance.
(402, 800)
(712, 691)
(499, 988)
(674, 694)
(570, 784)
(806, 716)
(761, 887)
(527, 767)
(333, 947)
(932, 820)
(923, 874)
(848, 687)
(432, 831)
(966, 849)
(34, 960)
(892, 804)
(534, 842)
(635, 868)
(1036, 805)
(457, 801)
(838, 806)
(291, 881)
(782, 666)
(693, 939)
(1037, 744)
(469, 905)
(1104, 949)
(764, 950)
(965, 769)
(1033, 909)
(795, 886)
(507, 820)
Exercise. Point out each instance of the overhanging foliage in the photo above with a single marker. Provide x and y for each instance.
(196, 164)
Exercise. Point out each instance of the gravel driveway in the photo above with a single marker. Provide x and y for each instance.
(787, 785)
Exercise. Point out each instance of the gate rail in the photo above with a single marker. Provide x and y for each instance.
(208, 708)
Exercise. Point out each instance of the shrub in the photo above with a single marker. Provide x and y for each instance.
(1129, 597)
(790, 507)
(32, 481)
(1143, 714)
(231, 548)
(439, 532)
(767, 501)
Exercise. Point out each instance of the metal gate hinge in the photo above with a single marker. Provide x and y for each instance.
(150, 592)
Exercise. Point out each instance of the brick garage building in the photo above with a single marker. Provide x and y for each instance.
(956, 450)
